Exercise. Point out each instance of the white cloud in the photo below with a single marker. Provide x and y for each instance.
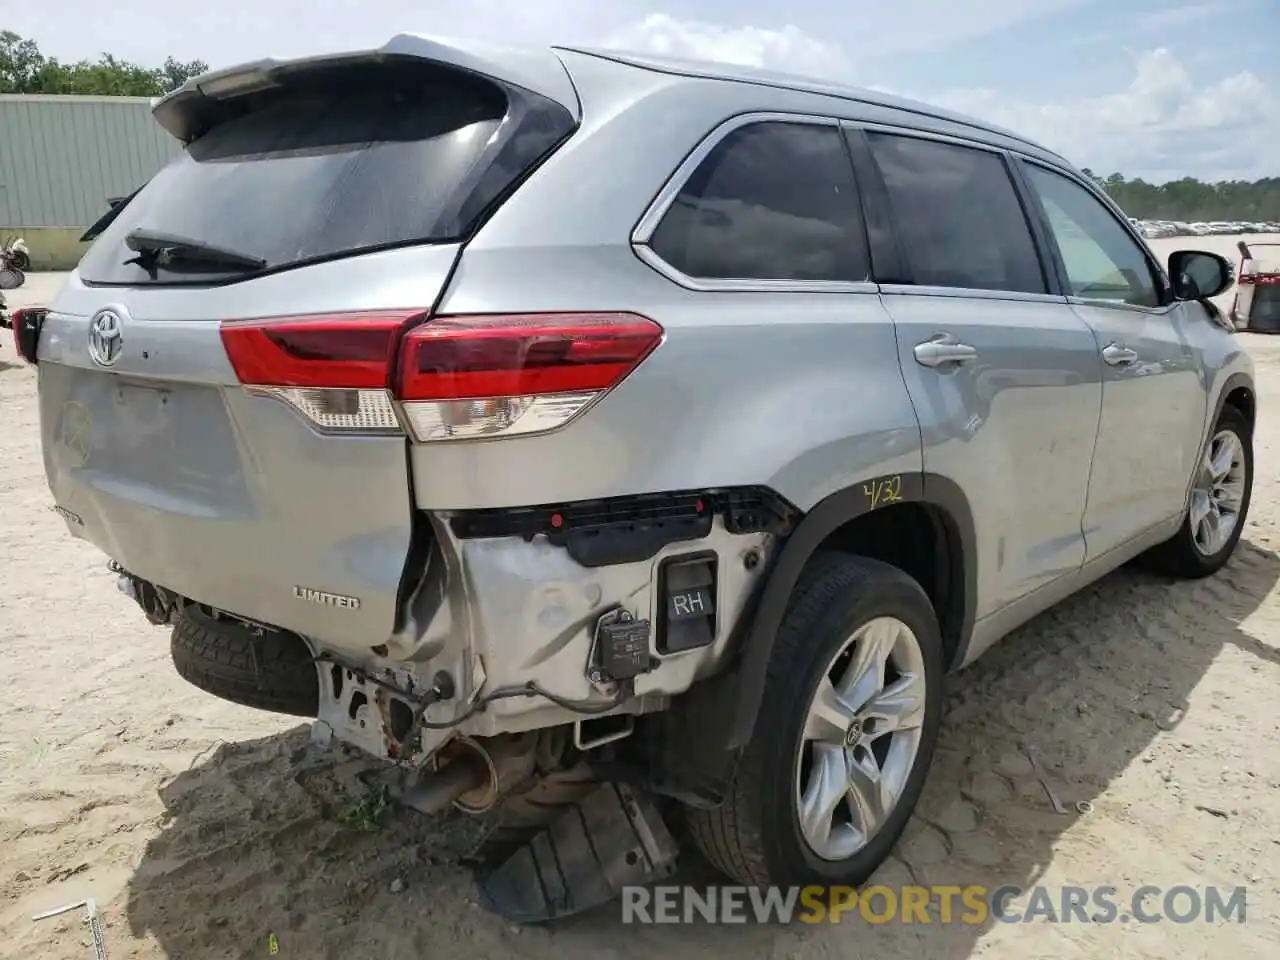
(1162, 126)
(1163, 20)
(785, 48)
(231, 30)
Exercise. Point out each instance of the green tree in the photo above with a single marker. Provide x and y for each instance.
(1190, 199)
(24, 69)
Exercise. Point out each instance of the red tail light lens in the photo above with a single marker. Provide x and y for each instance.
(474, 357)
(333, 369)
(26, 323)
(350, 350)
(459, 377)
(15, 325)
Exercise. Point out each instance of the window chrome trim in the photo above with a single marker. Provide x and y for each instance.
(891, 129)
(651, 258)
(970, 293)
(1123, 306)
(666, 196)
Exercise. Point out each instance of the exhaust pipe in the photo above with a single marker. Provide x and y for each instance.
(472, 776)
(434, 792)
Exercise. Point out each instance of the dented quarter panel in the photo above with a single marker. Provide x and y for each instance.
(515, 612)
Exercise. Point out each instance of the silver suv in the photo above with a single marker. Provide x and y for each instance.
(597, 437)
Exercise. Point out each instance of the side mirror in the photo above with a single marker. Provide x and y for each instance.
(1199, 275)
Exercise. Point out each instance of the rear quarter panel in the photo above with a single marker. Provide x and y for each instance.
(797, 390)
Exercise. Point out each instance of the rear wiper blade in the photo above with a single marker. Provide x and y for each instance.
(173, 246)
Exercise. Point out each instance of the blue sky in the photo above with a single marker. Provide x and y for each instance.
(1150, 88)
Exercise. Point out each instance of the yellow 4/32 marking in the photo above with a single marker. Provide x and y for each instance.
(883, 492)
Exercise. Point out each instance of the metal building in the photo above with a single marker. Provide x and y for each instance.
(61, 157)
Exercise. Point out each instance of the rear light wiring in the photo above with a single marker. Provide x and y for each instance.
(453, 378)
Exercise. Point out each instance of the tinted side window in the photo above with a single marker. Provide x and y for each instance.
(1103, 261)
(958, 216)
(772, 201)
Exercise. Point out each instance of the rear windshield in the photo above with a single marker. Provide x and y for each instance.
(365, 159)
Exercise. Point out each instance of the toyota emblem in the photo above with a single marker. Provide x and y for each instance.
(106, 339)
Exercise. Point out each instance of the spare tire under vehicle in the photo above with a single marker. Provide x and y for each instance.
(267, 671)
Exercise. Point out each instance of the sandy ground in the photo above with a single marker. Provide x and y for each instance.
(203, 828)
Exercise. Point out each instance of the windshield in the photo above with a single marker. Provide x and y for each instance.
(376, 160)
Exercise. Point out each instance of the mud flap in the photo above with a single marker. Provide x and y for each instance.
(613, 839)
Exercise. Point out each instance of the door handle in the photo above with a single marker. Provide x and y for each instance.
(1119, 355)
(942, 349)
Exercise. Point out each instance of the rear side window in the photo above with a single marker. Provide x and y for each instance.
(1103, 261)
(347, 160)
(772, 201)
(958, 216)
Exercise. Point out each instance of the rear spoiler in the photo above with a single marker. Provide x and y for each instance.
(188, 112)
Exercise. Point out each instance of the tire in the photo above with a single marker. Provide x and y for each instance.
(755, 836)
(273, 672)
(1180, 556)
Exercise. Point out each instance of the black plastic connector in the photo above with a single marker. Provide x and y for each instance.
(598, 533)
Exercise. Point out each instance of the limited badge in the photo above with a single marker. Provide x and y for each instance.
(326, 599)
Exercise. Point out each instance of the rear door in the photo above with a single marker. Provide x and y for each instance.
(1003, 375)
(1153, 398)
(311, 219)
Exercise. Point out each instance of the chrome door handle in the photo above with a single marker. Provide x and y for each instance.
(1118, 355)
(943, 349)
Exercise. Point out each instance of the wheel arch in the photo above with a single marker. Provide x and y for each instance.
(828, 524)
(1238, 393)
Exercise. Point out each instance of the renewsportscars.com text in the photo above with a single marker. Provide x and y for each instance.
(970, 905)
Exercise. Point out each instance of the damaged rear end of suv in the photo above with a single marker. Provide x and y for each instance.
(358, 401)
(587, 437)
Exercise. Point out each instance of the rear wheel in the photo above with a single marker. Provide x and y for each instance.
(845, 735)
(1220, 493)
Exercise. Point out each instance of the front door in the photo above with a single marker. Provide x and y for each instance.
(1004, 377)
(1153, 399)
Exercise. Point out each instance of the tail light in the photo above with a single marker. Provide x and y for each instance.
(330, 368)
(486, 376)
(26, 323)
(456, 378)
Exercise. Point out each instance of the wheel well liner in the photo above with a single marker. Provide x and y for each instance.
(1238, 394)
